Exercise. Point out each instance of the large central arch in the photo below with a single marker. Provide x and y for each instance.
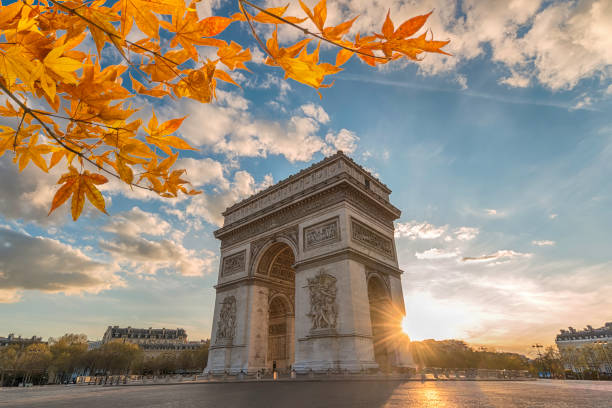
(276, 264)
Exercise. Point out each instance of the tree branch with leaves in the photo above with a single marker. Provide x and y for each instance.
(72, 109)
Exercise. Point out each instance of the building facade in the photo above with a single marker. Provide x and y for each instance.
(11, 340)
(153, 341)
(586, 349)
(309, 277)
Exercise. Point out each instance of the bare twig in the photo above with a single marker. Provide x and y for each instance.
(17, 131)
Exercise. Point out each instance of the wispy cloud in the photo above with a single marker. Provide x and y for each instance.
(497, 257)
(418, 230)
(470, 93)
(543, 243)
(436, 253)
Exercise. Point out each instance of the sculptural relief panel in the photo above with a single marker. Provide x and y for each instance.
(323, 308)
(234, 263)
(226, 325)
(372, 239)
(320, 234)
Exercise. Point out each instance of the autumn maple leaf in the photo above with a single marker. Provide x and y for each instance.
(79, 186)
(158, 135)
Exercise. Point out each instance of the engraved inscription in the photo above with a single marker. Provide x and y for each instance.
(370, 238)
(321, 234)
(234, 263)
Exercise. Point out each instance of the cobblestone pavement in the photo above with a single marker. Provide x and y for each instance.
(371, 394)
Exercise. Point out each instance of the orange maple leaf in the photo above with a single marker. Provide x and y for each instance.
(79, 186)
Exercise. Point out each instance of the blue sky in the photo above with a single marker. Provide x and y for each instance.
(499, 157)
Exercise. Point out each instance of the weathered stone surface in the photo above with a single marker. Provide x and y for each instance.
(297, 259)
(233, 263)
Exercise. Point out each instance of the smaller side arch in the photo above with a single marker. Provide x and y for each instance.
(379, 283)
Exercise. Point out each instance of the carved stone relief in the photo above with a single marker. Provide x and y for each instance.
(234, 263)
(321, 234)
(226, 325)
(323, 308)
(372, 239)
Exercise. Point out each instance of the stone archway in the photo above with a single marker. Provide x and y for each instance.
(294, 276)
(276, 264)
(381, 320)
(280, 335)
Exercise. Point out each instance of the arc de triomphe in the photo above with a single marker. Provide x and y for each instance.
(309, 277)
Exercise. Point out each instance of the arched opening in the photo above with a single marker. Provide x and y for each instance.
(276, 265)
(381, 319)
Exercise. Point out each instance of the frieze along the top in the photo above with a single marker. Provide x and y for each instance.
(316, 174)
(341, 192)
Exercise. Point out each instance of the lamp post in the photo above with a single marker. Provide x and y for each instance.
(604, 344)
(538, 348)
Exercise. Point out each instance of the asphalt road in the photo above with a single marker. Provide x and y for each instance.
(434, 394)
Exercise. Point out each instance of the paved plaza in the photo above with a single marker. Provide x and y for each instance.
(318, 394)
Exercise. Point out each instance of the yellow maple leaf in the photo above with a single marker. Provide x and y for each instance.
(79, 186)
(158, 135)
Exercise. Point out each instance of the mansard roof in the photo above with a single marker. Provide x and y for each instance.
(586, 333)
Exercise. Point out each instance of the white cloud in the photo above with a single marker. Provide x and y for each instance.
(27, 195)
(130, 248)
(488, 212)
(210, 206)
(203, 171)
(232, 130)
(497, 257)
(543, 243)
(555, 43)
(584, 102)
(206, 8)
(316, 112)
(466, 233)
(418, 230)
(435, 253)
(48, 265)
(462, 81)
(344, 140)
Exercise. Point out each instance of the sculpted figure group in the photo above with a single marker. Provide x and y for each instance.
(323, 309)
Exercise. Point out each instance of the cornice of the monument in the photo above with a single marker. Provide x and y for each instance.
(376, 187)
(302, 173)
